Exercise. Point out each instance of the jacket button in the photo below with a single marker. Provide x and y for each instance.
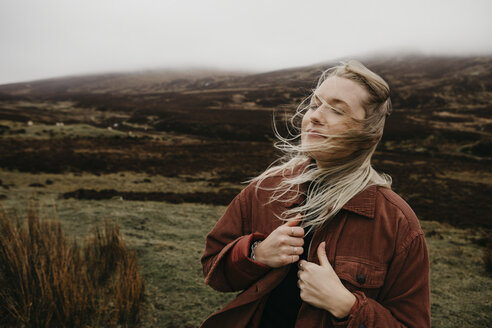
(361, 278)
(362, 325)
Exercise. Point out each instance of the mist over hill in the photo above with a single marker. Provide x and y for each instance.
(440, 81)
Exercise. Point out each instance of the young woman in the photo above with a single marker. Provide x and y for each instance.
(320, 240)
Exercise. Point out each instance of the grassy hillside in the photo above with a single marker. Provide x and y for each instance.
(169, 240)
(163, 152)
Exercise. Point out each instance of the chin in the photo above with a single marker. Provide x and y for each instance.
(328, 158)
(314, 146)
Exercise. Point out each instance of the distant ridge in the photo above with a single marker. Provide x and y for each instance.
(416, 81)
(146, 81)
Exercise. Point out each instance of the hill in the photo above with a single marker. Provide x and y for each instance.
(440, 130)
(163, 152)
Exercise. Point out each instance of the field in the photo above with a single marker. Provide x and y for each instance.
(164, 154)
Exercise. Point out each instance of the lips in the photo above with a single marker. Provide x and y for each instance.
(315, 134)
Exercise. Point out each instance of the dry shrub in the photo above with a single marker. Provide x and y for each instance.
(49, 281)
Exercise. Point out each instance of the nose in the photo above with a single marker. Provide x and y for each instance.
(316, 116)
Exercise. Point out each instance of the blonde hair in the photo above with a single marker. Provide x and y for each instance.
(333, 185)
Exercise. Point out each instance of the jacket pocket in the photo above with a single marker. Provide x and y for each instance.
(360, 274)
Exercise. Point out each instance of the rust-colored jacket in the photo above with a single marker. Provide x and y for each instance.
(375, 245)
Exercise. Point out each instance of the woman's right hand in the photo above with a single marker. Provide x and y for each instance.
(283, 246)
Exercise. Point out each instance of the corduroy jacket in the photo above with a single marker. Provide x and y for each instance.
(375, 245)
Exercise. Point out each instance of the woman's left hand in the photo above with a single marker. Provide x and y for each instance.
(321, 287)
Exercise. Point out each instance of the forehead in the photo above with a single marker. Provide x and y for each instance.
(335, 89)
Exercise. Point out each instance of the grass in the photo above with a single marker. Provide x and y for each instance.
(49, 131)
(49, 186)
(50, 128)
(169, 240)
(461, 285)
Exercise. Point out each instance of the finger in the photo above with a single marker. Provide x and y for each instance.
(300, 273)
(297, 250)
(291, 250)
(300, 265)
(297, 232)
(323, 259)
(294, 258)
(294, 222)
(295, 241)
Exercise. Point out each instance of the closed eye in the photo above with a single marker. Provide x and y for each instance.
(318, 102)
(325, 106)
(312, 107)
(336, 110)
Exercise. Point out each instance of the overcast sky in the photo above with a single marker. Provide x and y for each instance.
(48, 38)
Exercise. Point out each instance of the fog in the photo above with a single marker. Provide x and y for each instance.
(42, 39)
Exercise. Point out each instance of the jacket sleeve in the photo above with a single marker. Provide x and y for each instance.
(225, 261)
(406, 302)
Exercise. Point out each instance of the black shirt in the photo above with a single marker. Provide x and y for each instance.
(284, 301)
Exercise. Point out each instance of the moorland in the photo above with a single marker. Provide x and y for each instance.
(163, 152)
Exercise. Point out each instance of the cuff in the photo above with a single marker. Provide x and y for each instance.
(344, 321)
(239, 261)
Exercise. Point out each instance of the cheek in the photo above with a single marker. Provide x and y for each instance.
(304, 126)
(332, 119)
(337, 123)
(338, 127)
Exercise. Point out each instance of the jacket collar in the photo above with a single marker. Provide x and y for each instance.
(364, 203)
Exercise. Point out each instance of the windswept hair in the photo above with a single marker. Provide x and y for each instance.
(334, 184)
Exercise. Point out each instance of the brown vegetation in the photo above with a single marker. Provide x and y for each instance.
(222, 197)
(194, 138)
(49, 281)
